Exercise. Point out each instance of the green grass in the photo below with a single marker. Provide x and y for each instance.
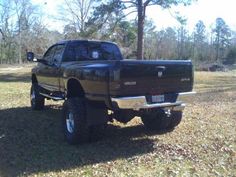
(204, 144)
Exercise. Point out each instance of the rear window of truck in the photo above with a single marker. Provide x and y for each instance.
(81, 51)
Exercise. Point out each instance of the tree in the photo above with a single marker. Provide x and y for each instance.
(6, 42)
(222, 35)
(141, 10)
(183, 46)
(167, 44)
(77, 15)
(138, 6)
(150, 42)
(231, 56)
(26, 16)
(124, 34)
(200, 32)
(22, 29)
(105, 19)
(199, 36)
(70, 32)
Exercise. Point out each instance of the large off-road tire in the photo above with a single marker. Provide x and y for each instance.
(75, 126)
(37, 101)
(176, 117)
(157, 121)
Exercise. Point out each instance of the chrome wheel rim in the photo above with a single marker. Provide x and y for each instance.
(70, 123)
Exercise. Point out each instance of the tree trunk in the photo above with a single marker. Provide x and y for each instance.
(1, 54)
(20, 45)
(217, 46)
(141, 16)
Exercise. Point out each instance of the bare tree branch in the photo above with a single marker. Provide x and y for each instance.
(3, 36)
(132, 2)
(146, 3)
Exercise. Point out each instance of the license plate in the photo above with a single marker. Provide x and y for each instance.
(158, 98)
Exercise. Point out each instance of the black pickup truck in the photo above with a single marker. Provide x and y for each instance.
(98, 85)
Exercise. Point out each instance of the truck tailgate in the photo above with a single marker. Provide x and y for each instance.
(134, 78)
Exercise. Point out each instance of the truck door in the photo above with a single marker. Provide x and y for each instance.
(50, 73)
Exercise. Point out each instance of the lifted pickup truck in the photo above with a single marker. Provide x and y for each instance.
(98, 85)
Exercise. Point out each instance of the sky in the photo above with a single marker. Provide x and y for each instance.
(205, 10)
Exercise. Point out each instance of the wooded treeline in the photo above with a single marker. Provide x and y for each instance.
(22, 29)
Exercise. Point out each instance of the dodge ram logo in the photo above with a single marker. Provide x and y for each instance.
(159, 73)
(160, 70)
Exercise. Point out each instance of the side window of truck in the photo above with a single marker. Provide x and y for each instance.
(75, 52)
(111, 52)
(49, 54)
(57, 57)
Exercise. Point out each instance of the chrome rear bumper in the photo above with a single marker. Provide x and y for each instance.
(140, 102)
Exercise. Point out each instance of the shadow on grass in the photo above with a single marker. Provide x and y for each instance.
(13, 77)
(32, 142)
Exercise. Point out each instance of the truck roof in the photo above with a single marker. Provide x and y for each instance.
(78, 40)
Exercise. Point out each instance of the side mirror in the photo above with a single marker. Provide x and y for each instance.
(30, 56)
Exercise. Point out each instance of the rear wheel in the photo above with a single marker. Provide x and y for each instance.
(74, 121)
(156, 121)
(176, 117)
(37, 101)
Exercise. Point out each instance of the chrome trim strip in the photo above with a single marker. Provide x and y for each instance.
(139, 102)
(160, 105)
(184, 96)
(187, 93)
(179, 108)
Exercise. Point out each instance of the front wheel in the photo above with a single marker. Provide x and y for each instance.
(37, 101)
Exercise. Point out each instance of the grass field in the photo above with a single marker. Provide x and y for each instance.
(204, 144)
